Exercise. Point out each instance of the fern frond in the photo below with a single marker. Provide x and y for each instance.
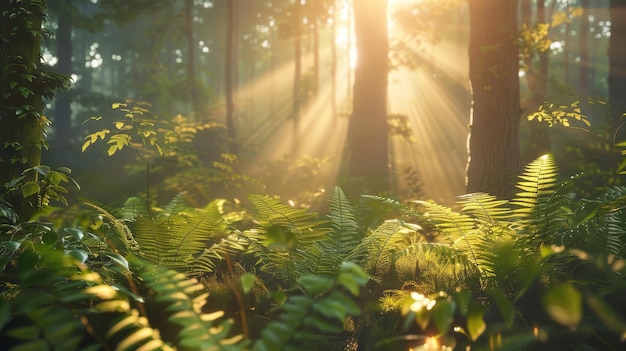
(536, 184)
(484, 207)
(270, 211)
(450, 223)
(122, 238)
(207, 260)
(378, 251)
(343, 238)
(289, 238)
(182, 237)
(437, 267)
(184, 299)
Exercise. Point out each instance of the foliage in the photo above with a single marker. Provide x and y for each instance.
(541, 248)
(68, 290)
(560, 112)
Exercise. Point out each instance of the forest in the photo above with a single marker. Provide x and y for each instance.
(350, 175)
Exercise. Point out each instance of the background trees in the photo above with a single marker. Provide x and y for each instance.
(290, 53)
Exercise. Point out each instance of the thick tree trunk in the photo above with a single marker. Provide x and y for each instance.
(230, 77)
(368, 130)
(617, 60)
(21, 121)
(494, 138)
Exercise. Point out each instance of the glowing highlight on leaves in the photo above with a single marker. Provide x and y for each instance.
(421, 301)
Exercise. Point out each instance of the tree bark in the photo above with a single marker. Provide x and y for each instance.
(584, 66)
(617, 60)
(194, 91)
(297, 75)
(21, 121)
(62, 108)
(368, 130)
(231, 60)
(538, 134)
(494, 156)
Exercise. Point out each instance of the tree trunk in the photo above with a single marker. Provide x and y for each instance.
(297, 76)
(538, 134)
(21, 122)
(62, 108)
(192, 81)
(231, 60)
(584, 66)
(368, 130)
(494, 138)
(617, 60)
(333, 63)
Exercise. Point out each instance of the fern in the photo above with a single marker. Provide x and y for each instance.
(121, 238)
(288, 239)
(183, 299)
(342, 239)
(309, 321)
(378, 251)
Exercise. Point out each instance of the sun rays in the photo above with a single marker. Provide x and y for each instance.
(435, 98)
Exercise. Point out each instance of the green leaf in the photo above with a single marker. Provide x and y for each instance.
(80, 255)
(30, 188)
(315, 284)
(119, 259)
(75, 233)
(443, 314)
(563, 302)
(462, 299)
(475, 323)
(507, 311)
(247, 282)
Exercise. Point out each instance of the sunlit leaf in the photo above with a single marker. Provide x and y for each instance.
(475, 323)
(563, 303)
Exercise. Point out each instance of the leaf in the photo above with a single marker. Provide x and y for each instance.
(76, 233)
(119, 259)
(30, 188)
(443, 313)
(315, 284)
(507, 311)
(563, 303)
(247, 282)
(79, 255)
(475, 323)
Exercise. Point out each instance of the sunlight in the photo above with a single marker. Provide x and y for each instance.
(432, 97)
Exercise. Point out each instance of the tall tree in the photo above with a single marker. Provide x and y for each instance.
(536, 67)
(197, 106)
(494, 155)
(367, 134)
(62, 117)
(297, 74)
(617, 60)
(230, 76)
(584, 67)
(22, 86)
